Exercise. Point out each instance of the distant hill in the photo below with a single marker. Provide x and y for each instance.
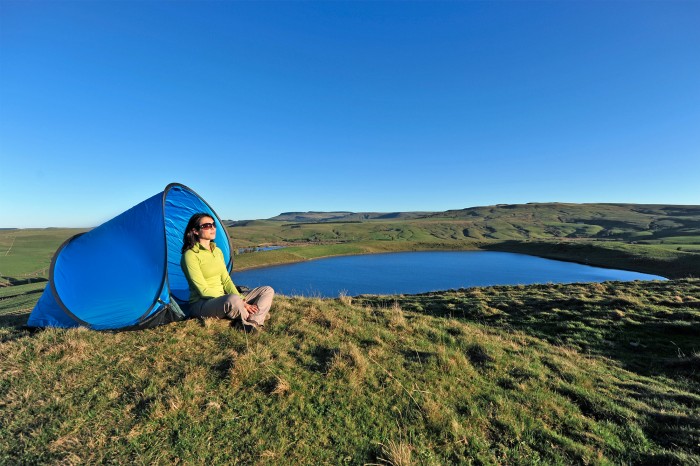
(621, 221)
(533, 220)
(341, 216)
(635, 223)
(564, 211)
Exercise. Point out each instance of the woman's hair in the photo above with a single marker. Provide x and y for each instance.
(190, 239)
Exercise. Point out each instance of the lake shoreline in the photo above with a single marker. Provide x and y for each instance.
(574, 252)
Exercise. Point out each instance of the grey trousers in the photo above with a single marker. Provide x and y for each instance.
(231, 306)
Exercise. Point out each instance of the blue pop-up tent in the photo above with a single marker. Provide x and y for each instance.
(126, 274)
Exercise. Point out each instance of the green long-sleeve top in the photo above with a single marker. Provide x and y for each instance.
(206, 273)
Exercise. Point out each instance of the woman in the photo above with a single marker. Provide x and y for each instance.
(212, 293)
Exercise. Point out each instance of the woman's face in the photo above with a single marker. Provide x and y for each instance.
(207, 231)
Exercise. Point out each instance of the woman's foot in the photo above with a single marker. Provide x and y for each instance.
(250, 326)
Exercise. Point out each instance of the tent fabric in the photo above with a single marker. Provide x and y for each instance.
(126, 274)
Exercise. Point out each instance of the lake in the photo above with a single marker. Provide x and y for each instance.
(419, 272)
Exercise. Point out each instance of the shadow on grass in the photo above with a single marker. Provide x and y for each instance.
(322, 359)
(25, 281)
(15, 321)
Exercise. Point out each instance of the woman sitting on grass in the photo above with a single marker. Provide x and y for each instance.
(212, 293)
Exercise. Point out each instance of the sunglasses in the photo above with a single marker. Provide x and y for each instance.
(206, 226)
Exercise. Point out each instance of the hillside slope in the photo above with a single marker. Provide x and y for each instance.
(627, 222)
(645, 224)
(346, 216)
(566, 374)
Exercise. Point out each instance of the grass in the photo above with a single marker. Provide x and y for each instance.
(611, 319)
(461, 377)
(544, 374)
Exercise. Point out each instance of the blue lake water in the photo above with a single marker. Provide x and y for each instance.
(418, 272)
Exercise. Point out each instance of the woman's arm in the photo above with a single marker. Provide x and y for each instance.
(229, 287)
(226, 281)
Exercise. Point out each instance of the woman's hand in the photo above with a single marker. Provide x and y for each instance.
(251, 308)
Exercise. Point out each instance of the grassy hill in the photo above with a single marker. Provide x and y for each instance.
(552, 374)
(643, 224)
(649, 224)
(545, 374)
(345, 216)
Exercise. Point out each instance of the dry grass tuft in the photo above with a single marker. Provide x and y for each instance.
(64, 444)
(209, 322)
(316, 316)
(617, 314)
(485, 310)
(282, 387)
(244, 367)
(213, 405)
(598, 288)
(447, 359)
(435, 415)
(397, 319)
(397, 453)
(349, 363)
(344, 298)
(627, 300)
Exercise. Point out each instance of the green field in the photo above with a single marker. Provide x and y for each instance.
(514, 375)
(26, 254)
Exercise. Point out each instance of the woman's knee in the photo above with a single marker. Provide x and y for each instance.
(232, 305)
(260, 292)
(233, 299)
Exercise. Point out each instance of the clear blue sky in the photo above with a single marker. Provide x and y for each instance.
(268, 107)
